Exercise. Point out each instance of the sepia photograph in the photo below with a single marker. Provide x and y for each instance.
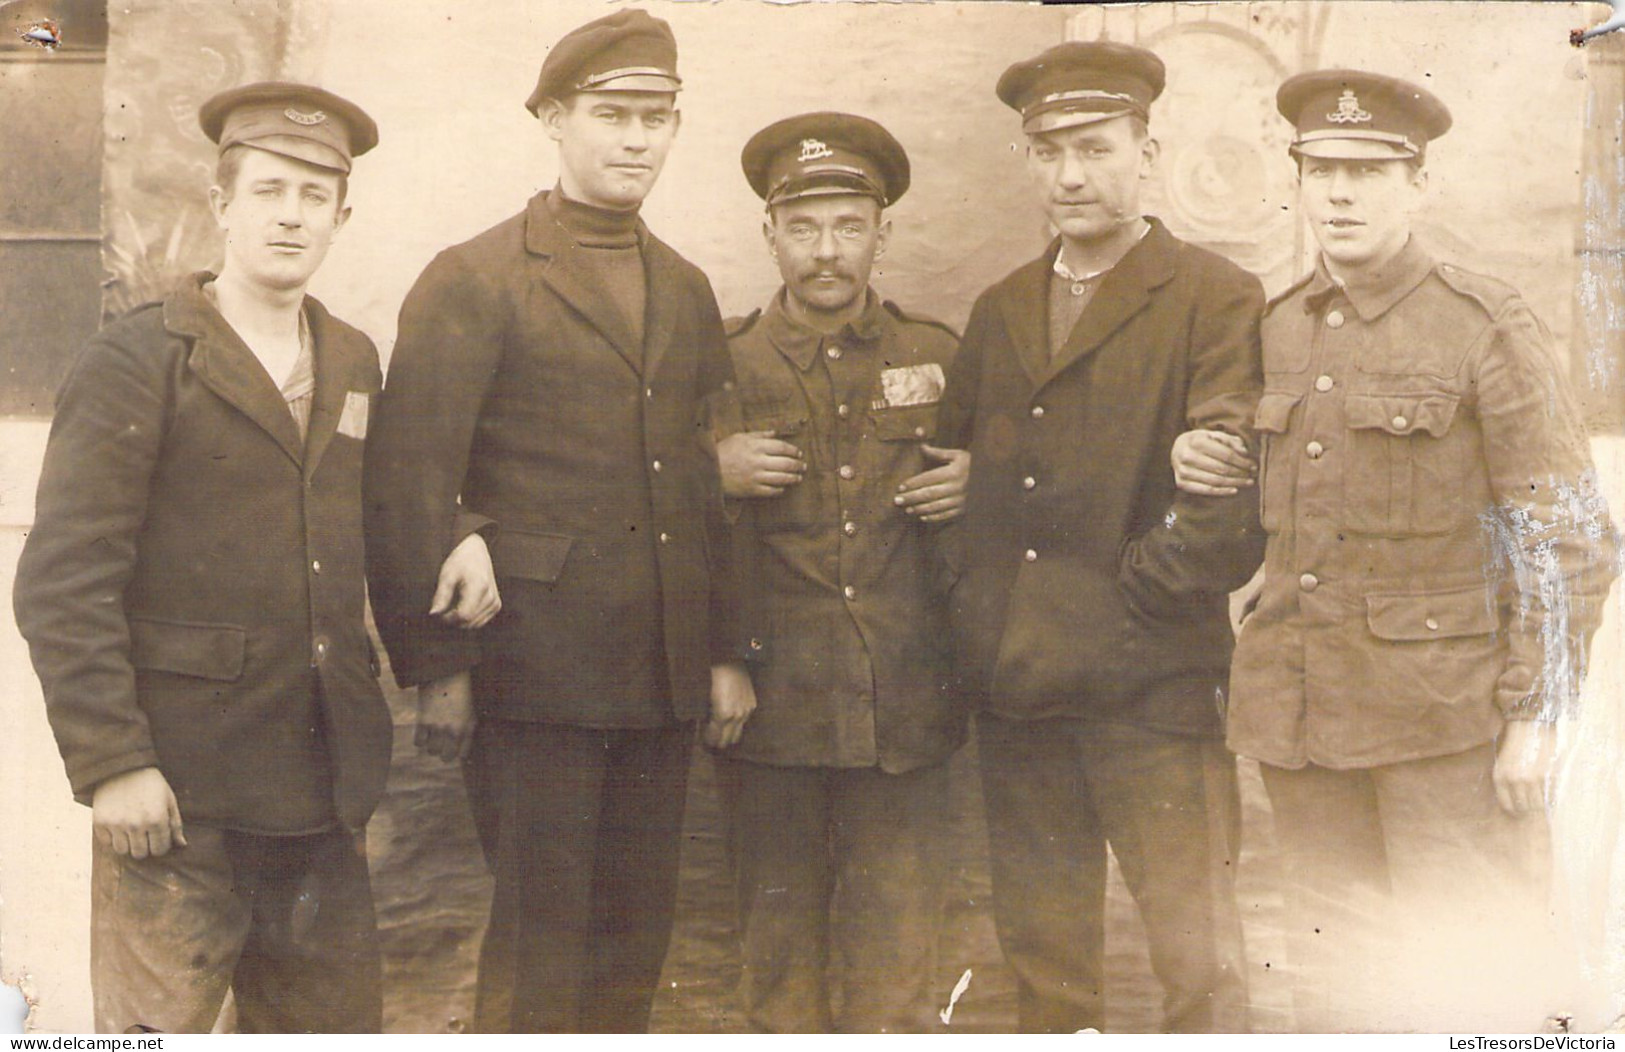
(812, 516)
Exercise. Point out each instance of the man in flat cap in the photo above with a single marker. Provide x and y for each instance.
(1438, 559)
(192, 594)
(538, 451)
(1090, 609)
(839, 783)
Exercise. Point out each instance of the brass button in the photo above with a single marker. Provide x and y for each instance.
(1038, 412)
(1031, 556)
(1432, 623)
(843, 410)
(849, 528)
(919, 432)
(846, 471)
(1029, 482)
(1314, 449)
(833, 352)
(1334, 320)
(648, 392)
(849, 592)
(1309, 582)
(1324, 384)
(665, 538)
(1400, 423)
(315, 566)
(656, 466)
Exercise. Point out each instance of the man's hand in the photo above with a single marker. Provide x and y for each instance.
(135, 814)
(1524, 765)
(445, 718)
(1212, 463)
(466, 595)
(733, 699)
(937, 495)
(756, 464)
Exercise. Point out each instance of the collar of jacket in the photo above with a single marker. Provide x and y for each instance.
(1375, 293)
(800, 343)
(1124, 291)
(224, 363)
(546, 236)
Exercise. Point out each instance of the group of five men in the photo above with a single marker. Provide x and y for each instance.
(596, 517)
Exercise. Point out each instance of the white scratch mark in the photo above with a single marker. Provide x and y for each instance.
(947, 1014)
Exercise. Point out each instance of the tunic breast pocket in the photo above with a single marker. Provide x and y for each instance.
(1275, 467)
(909, 423)
(1406, 469)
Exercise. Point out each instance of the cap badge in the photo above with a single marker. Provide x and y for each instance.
(1348, 110)
(812, 150)
(307, 119)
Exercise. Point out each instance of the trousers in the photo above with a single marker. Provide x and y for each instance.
(1410, 894)
(284, 922)
(1058, 792)
(581, 831)
(842, 863)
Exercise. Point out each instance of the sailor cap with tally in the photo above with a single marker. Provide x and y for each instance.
(294, 120)
(817, 154)
(1348, 114)
(1082, 82)
(626, 51)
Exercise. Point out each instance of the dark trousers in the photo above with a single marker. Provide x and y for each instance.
(849, 861)
(581, 831)
(1410, 895)
(1058, 791)
(284, 922)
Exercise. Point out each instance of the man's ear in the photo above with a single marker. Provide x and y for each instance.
(552, 115)
(1150, 151)
(882, 235)
(340, 219)
(767, 236)
(217, 206)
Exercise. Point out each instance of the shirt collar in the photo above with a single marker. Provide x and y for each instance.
(1374, 293)
(800, 343)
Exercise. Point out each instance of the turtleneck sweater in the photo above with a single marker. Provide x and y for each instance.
(611, 256)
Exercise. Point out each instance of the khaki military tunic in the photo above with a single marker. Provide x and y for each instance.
(1438, 550)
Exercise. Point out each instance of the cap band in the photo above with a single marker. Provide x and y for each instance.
(1070, 96)
(589, 83)
(1349, 133)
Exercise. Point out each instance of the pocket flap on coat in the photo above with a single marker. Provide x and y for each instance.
(782, 416)
(202, 650)
(1469, 611)
(1275, 411)
(1402, 414)
(533, 556)
(909, 422)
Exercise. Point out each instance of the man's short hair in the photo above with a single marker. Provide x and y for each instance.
(230, 163)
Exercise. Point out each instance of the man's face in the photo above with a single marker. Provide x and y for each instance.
(612, 144)
(279, 217)
(1089, 176)
(1360, 210)
(825, 247)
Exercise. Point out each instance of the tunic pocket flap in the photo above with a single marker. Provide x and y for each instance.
(1402, 414)
(532, 556)
(781, 417)
(1274, 411)
(912, 422)
(187, 649)
(1433, 615)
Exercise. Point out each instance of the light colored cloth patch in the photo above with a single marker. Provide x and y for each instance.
(353, 421)
(911, 385)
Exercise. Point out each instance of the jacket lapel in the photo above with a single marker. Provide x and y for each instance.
(227, 367)
(1025, 309)
(562, 270)
(660, 263)
(333, 365)
(1123, 293)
